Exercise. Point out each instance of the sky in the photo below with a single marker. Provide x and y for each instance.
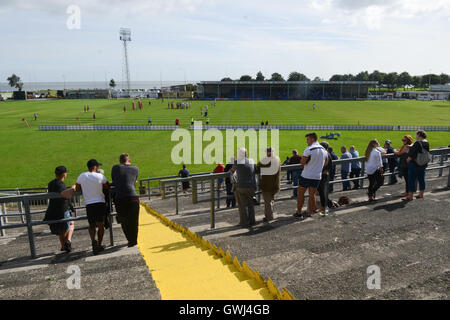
(193, 40)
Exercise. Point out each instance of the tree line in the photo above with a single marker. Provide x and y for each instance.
(390, 80)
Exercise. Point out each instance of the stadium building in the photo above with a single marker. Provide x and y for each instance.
(284, 90)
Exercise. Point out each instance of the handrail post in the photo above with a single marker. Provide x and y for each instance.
(149, 190)
(176, 197)
(111, 233)
(194, 191)
(363, 172)
(19, 207)
(211, 205)
(448, 181)
(163, 190)
(218, 195)
(29, 228)
(2, 231)
(441, 163)
(4, 213)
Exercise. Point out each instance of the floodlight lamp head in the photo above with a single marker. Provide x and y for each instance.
(125, 34)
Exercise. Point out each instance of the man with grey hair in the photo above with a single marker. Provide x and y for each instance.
(245, 169)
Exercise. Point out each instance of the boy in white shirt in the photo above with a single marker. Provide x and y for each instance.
(91, 184)
(315, 157)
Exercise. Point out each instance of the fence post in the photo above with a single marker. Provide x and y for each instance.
(211, 205)
(218, 195)
(441, 163)
(149, 190)
(194, 192)
(26, 204)
(363, 172)
(176, 197)
(163, 190)
(4, 212)
(111, 233)
(448, 181)
(19, 207)
(2, 231)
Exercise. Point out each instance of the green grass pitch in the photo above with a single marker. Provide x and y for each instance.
(30, 155)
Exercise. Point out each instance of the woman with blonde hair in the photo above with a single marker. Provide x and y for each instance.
(374, 168)
(403, 163)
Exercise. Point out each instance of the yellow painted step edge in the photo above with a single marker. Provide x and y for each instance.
(253, 274)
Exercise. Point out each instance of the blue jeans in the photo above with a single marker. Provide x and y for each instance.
(415, 173)
(345, 184)
(295, 177)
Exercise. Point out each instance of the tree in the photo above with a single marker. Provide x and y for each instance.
(391, 80)
(226, 79)
(260, 76)
(245, 78)
(14, 82)
(297, 76)
(317, 79)
(416, 81)
(362, 76)
(336, 77)
(445, 78)
(377, 76)
(404, 79)
(112, 83)
(276, 77)
(430, 79)
(348, 77)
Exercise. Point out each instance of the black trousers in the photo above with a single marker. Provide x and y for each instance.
(231, 200)
(323, 190)
(128, 217)
(376, 180)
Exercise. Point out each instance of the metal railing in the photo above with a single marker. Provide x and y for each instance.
(211, 179)
(27, 213)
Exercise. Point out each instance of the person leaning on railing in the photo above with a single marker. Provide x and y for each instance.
(60, 209)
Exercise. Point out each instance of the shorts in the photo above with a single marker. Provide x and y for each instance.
(220, 180)
(61, 228)
(308, 183)
(96, 212)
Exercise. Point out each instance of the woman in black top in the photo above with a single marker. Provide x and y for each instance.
(403, 162)
(415, 171)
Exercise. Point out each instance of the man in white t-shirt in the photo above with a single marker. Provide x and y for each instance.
(315, 157)
(91, 184)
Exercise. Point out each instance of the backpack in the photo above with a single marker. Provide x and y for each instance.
(423, 156)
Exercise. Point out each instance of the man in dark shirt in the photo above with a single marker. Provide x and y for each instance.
(124, 177)
(332, 172)
(60, 209)
(295, 174)
(392, 162)
(184, 173)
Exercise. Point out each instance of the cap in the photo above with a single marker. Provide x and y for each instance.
(92, 163)
(61, 170)
(388, 142)
(269, 149)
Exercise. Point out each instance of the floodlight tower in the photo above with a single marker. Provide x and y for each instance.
(125, 36)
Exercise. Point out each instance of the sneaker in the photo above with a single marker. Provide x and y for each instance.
(68, 246)
(297, 215)
(131, 244)
(265, 220)
(100, 248)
